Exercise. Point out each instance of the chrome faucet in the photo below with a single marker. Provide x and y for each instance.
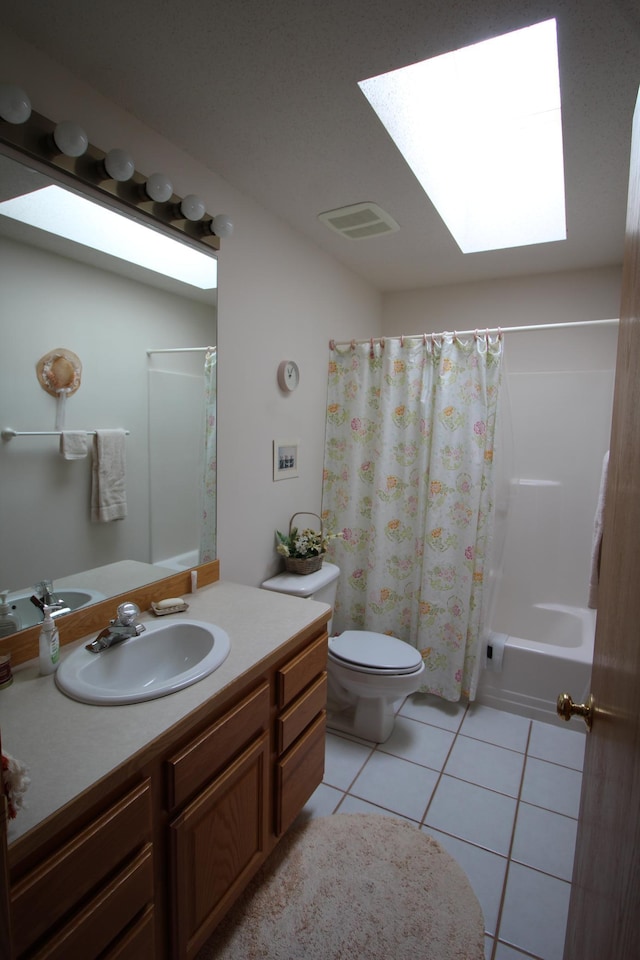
(45, 597)
(122, 628)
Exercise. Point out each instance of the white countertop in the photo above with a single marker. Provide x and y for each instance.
(67, 746)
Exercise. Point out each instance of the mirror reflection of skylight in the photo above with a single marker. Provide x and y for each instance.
(66, 214)
(481, 130)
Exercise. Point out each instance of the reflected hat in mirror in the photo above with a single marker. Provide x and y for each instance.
(58, 370)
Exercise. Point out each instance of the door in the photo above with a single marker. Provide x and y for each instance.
(604, 912)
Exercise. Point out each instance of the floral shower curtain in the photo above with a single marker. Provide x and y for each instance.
(209, 465)
(408, 478)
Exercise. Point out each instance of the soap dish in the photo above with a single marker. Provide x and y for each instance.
(162, 608)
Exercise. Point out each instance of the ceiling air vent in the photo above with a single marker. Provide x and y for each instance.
(359, 221)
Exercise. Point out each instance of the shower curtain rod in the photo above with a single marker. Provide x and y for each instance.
(180, 350)
(483, 331)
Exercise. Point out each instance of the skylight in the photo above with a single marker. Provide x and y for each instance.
(66, 214)
(481, 130)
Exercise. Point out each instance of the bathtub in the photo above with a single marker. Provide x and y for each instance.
(183, 561)
(555, 658)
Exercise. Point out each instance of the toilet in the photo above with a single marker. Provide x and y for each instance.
(368, 673)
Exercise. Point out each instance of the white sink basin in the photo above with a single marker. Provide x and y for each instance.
(165, 658)
(74, 598)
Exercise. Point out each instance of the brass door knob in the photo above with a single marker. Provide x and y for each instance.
(567, 708)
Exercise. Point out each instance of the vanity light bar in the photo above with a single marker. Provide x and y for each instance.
(41, 140)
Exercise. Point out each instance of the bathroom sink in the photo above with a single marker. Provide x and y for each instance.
(74, 598)
(165, 658)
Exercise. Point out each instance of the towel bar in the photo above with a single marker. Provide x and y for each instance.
(9, 434)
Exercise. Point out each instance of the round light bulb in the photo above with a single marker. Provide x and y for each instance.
(159, 188)
(70, 138)
(192, 207)
(119, 165)
(15, 106)
(222, 225)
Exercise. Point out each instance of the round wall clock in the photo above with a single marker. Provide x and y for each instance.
(288, 375)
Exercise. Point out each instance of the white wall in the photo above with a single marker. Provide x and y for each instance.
(559, 392)
(280, 297)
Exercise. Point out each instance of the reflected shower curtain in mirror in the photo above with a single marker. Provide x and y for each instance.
(408, 478)
(209, 467)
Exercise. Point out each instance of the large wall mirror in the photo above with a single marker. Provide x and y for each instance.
(146, 342)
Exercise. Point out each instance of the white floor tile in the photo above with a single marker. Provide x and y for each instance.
(535, 910)
(558, 745)
(486, 764)
(472, 813)
(396, 784)
(551, 786)
(429, 709)
(545, 840)
(356, 805)
(343, 761)
(323, 801)
(420, 742)
(496, 726)
(503, 952)
(485, 870)
(488, 948)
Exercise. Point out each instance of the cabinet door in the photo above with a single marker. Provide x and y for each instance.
(217, 844)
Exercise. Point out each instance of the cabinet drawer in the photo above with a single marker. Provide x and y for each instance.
(138, 943)
(298, 774)
(295, 675)
(299, 715)
(41, 898)
(100, 922)
(204, 757)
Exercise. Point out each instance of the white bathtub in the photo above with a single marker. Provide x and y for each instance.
(556, 658)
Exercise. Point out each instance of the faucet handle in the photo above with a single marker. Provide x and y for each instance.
(127, 613)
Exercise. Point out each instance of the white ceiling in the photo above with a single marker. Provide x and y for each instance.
(265, 93)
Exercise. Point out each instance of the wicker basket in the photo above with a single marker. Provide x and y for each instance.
(304, 565)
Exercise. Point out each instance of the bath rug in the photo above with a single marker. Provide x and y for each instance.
(354, 886)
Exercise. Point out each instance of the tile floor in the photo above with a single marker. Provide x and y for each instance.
(500, 792)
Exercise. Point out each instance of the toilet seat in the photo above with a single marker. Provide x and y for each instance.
(375, 653)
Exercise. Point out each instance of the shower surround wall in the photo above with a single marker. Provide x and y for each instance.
(559, 387)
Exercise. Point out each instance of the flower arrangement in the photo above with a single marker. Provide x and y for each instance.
(301, 544)
(303, 550)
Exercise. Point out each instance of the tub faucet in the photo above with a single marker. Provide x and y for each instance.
(122, 628)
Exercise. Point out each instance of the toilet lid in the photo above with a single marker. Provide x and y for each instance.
(375, 651)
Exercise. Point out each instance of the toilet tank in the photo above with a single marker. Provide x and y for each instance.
(321, 585)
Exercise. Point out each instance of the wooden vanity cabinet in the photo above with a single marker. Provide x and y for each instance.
(235, 789)
(301, 685)
(89, 894)
(147, 863)
(220, 838)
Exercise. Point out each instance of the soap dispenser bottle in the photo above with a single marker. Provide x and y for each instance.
(49, 644)
(9, 620)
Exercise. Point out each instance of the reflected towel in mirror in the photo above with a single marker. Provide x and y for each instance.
(74, 444)
(108, 490)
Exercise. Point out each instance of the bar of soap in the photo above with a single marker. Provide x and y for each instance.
(170, 602)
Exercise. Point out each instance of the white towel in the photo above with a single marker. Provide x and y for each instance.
(74, 444)
(108, 492)
(598, 526)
